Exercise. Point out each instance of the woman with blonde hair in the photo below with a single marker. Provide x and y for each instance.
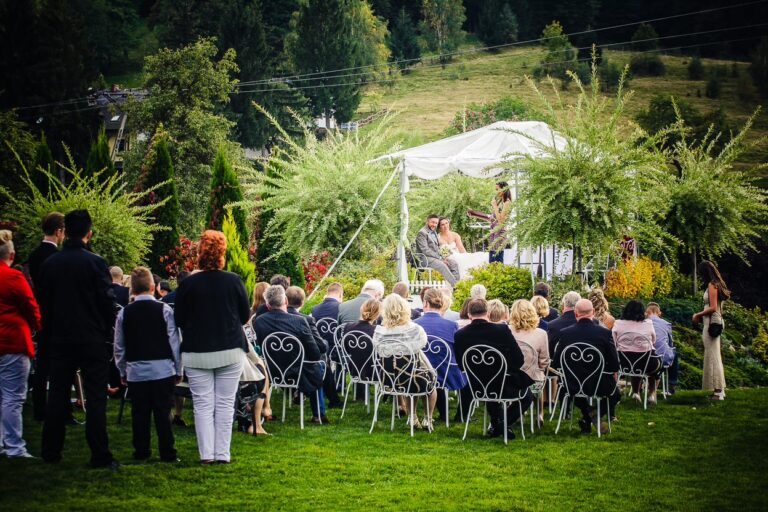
(397, 329)
(541, 305)
(533, 342)
(498, 312)
(602, 310)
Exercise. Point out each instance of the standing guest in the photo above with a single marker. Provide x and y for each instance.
(544, 290)
(482, 332)
(258, 297)
(349, 311)
(403, 290)
(171, 297)
(602, 309)
(428, 247)
(635, 338)
(447, 312)
(567, 319)
(717, 292)
(434, 324)
(524, 321)
(78, 309)
(211, 309)
(278, 320)
(19, 316)
(478, 291)
(586, 331)
(498, 312)
(501, 205)
(665, 345)
(296, 297)
(120, 291)
(147, 356)
(53, 236)
(542, 310)
(397, 328)
(329, 308)
(277, 279)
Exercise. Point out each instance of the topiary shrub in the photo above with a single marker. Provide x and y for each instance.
(695, 69)
(237, 257)
(503, 282)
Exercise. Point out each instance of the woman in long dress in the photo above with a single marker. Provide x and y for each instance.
(501, 204)
(451, 241)
(717, 292)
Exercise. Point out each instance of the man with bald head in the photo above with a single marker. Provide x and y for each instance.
(586, 331)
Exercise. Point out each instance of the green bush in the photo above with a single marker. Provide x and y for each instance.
(695, 69)
(760, 345)
(352, 275)
(225, 189)
(647, 65)
(237, 256)
(714, 86)
(503, 282)
(743, 325)
(122, 227)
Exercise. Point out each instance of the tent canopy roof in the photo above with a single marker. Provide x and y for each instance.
(476, 152)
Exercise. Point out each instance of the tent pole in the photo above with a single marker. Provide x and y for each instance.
(402, 266)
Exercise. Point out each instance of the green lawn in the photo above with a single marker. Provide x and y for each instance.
(684, 454)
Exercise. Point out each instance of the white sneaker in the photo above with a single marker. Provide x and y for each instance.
(636, 397)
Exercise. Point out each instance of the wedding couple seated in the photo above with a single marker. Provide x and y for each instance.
(443, 250)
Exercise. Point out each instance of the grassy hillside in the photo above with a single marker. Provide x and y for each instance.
(429, 96)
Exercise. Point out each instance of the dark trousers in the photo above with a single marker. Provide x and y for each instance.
(609, 401)
(329, 387)
(674, 370)
(513, 411)
(40, 382)
(462, 408)
(93, 361)
(152, 398)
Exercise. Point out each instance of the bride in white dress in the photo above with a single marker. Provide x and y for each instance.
(451, 241)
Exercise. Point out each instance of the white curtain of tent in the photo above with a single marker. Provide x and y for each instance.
(474, 153)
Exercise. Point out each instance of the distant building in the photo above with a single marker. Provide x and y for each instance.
(115, 119)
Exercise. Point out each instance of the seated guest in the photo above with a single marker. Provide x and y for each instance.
(586, 331)
(402, 290)
(482, 332)
(121, 292)
(464, 314)
(434, 324)
(428, 245)
(543, 290)
(277, 279)
(397, 328)
(567, 319)
(498, 312)
(349, 311)
(421, 296)
(147, 356)
(277, 319)
(163, 289)
(524, 321)
(296, 297)
(329, 308)
(19, 316)
(602, 311)
(447, 312)
(258, 298)
(211, 308)
(542, 309)
(665, 344)
(635, 338)
(171, 297)
(478, 291)
(369, 314)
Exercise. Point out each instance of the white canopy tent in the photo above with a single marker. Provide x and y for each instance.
(475, 153)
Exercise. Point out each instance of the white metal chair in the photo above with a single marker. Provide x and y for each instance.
(419, 262)
(537, 388)
(398, 373)
(284, 355)
(357, 352)
(438, 351)
(629, 366)
(582, 366)
(328, 328)
(486, 371)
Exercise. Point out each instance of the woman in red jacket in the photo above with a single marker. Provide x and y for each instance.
(19, 316)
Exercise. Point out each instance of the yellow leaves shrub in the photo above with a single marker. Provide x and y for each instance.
(639, 278)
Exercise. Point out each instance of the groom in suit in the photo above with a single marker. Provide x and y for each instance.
(428, 245)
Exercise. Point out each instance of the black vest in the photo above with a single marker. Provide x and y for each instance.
(144, 331)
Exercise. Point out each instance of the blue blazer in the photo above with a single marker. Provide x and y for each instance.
(435, 325)
(329, 308)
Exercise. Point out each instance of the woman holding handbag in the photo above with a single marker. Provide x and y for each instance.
(717, 292)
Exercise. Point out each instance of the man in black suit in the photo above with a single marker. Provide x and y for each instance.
(329, 308)
(78, 308)
(482, 332)
(121, 292)
(53, 235)
(586, 331)
(567, 319)
(277, 319)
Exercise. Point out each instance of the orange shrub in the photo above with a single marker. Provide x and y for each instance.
(641, 278)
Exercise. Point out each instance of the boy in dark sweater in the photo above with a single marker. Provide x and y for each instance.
(147, 356)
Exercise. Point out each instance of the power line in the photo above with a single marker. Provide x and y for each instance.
(587, 59)
(533, 50)
(517, 43)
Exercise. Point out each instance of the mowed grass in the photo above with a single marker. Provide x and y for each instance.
(684, 454)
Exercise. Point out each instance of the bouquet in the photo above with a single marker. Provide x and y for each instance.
(445, 251)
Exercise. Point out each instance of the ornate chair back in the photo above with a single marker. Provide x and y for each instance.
(486, 371)
(284, 355)
(357, 348)
(582, 367)
(438, 351)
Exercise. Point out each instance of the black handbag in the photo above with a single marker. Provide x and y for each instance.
(715, 328)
